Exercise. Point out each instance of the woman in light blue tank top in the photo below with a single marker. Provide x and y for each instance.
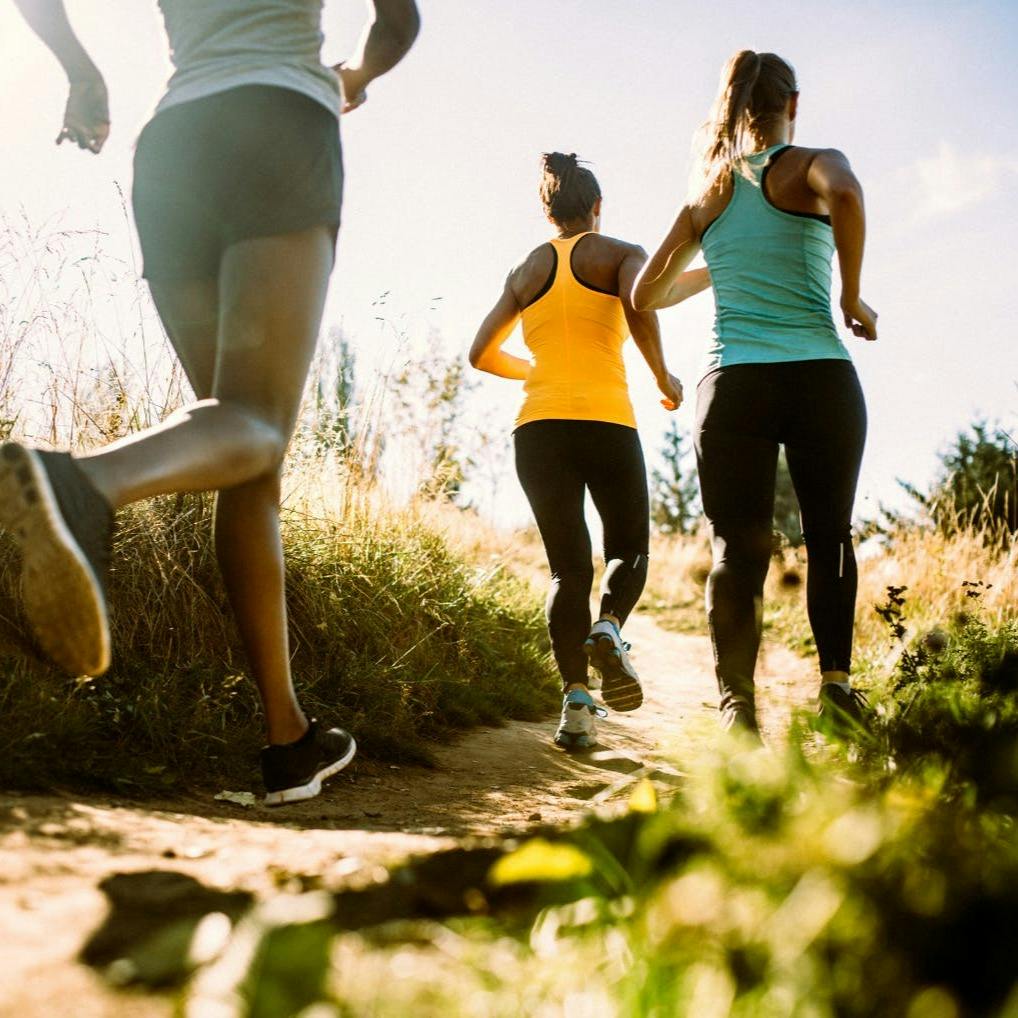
(769, 216)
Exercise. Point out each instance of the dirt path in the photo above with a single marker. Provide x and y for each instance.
(55, 850)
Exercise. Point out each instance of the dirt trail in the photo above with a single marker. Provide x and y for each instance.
(55, 850)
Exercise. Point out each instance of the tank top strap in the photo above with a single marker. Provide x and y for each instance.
(759, 163)
(564, 255)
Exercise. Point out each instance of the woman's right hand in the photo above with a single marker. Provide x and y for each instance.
(671, 389)
(87, 116)
(859, 317)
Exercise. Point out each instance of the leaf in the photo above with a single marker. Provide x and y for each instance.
(643, 798)
(541, 860)
(237, 798)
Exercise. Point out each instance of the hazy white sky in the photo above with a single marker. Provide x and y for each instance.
(442, 171)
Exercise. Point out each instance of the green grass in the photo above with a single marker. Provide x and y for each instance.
(393, 635)
(858, 879)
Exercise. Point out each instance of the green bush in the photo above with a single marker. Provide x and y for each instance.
(977, 486)
(392, 635)
(951, 704)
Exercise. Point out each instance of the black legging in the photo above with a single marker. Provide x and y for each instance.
(744, 411)
(556, 462)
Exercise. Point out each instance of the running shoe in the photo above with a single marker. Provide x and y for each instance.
(577, 729)
(65, 530)
(841, 708)
(295, 772)
(620, 685)
(738, 717)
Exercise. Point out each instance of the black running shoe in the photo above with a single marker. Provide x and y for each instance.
(841, 708)
(738, 717)
(295, 772)
(65, 530)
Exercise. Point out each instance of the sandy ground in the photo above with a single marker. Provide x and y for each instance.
(55, 850)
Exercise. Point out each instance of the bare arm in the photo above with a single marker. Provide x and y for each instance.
(486, 351)
(830, 177)
(646, 332)
(666, 265)
(688, 284)
(386, 39)
(87, 116)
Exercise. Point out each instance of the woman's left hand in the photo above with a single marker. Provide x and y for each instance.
(354, 87)
(671, 389)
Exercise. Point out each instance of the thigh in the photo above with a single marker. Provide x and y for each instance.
(271, 295)
(553, 483)
(736, 446)
(189, 311)
(617, 478)
(824, 442)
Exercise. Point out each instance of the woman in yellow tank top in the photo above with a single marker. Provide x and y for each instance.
(576, 430)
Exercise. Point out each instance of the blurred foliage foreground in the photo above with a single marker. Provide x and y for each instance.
(851, 873)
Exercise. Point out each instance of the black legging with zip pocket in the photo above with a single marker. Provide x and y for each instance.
(744, 412)
(557, 462)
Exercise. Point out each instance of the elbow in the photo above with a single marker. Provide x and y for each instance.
(476, 358)
(402, 23)
(640, 299)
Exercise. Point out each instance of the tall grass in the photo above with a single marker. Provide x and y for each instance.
(402, 629)
(932, 564)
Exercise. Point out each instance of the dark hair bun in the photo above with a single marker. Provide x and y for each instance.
(568, 190)
(558, 163)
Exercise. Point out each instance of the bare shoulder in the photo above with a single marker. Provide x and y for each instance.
(531, 272)
(708, 206)
(541, 254)
(831, 156)
(618, 248)
(539, 260)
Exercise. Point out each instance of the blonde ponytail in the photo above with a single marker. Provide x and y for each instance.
(754, 88)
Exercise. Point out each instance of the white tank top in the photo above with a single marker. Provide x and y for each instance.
(217, 45)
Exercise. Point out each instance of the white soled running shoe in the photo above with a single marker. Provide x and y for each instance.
(578, 728)
(620, 685)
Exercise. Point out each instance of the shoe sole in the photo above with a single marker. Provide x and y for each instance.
(301, 793)
(619, 690)
(64, 599)
(570, 742)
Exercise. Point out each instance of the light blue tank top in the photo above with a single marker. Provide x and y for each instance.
(771, 274)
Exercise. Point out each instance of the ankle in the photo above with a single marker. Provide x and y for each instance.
(100, 479)
(284, 732)
(842, 679)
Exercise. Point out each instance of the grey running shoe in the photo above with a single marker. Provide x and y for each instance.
(65, 530)
(577, 729)
(620, 685)
(295, 772)
(844, 709)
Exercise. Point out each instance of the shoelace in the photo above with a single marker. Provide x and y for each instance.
(856, 697)
(859, 697)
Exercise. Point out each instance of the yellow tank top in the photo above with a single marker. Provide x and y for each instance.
(575, 336)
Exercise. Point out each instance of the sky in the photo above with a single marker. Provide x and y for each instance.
(442, 175)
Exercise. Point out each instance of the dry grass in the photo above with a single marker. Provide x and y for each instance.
(403, 625)
(931, 564)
